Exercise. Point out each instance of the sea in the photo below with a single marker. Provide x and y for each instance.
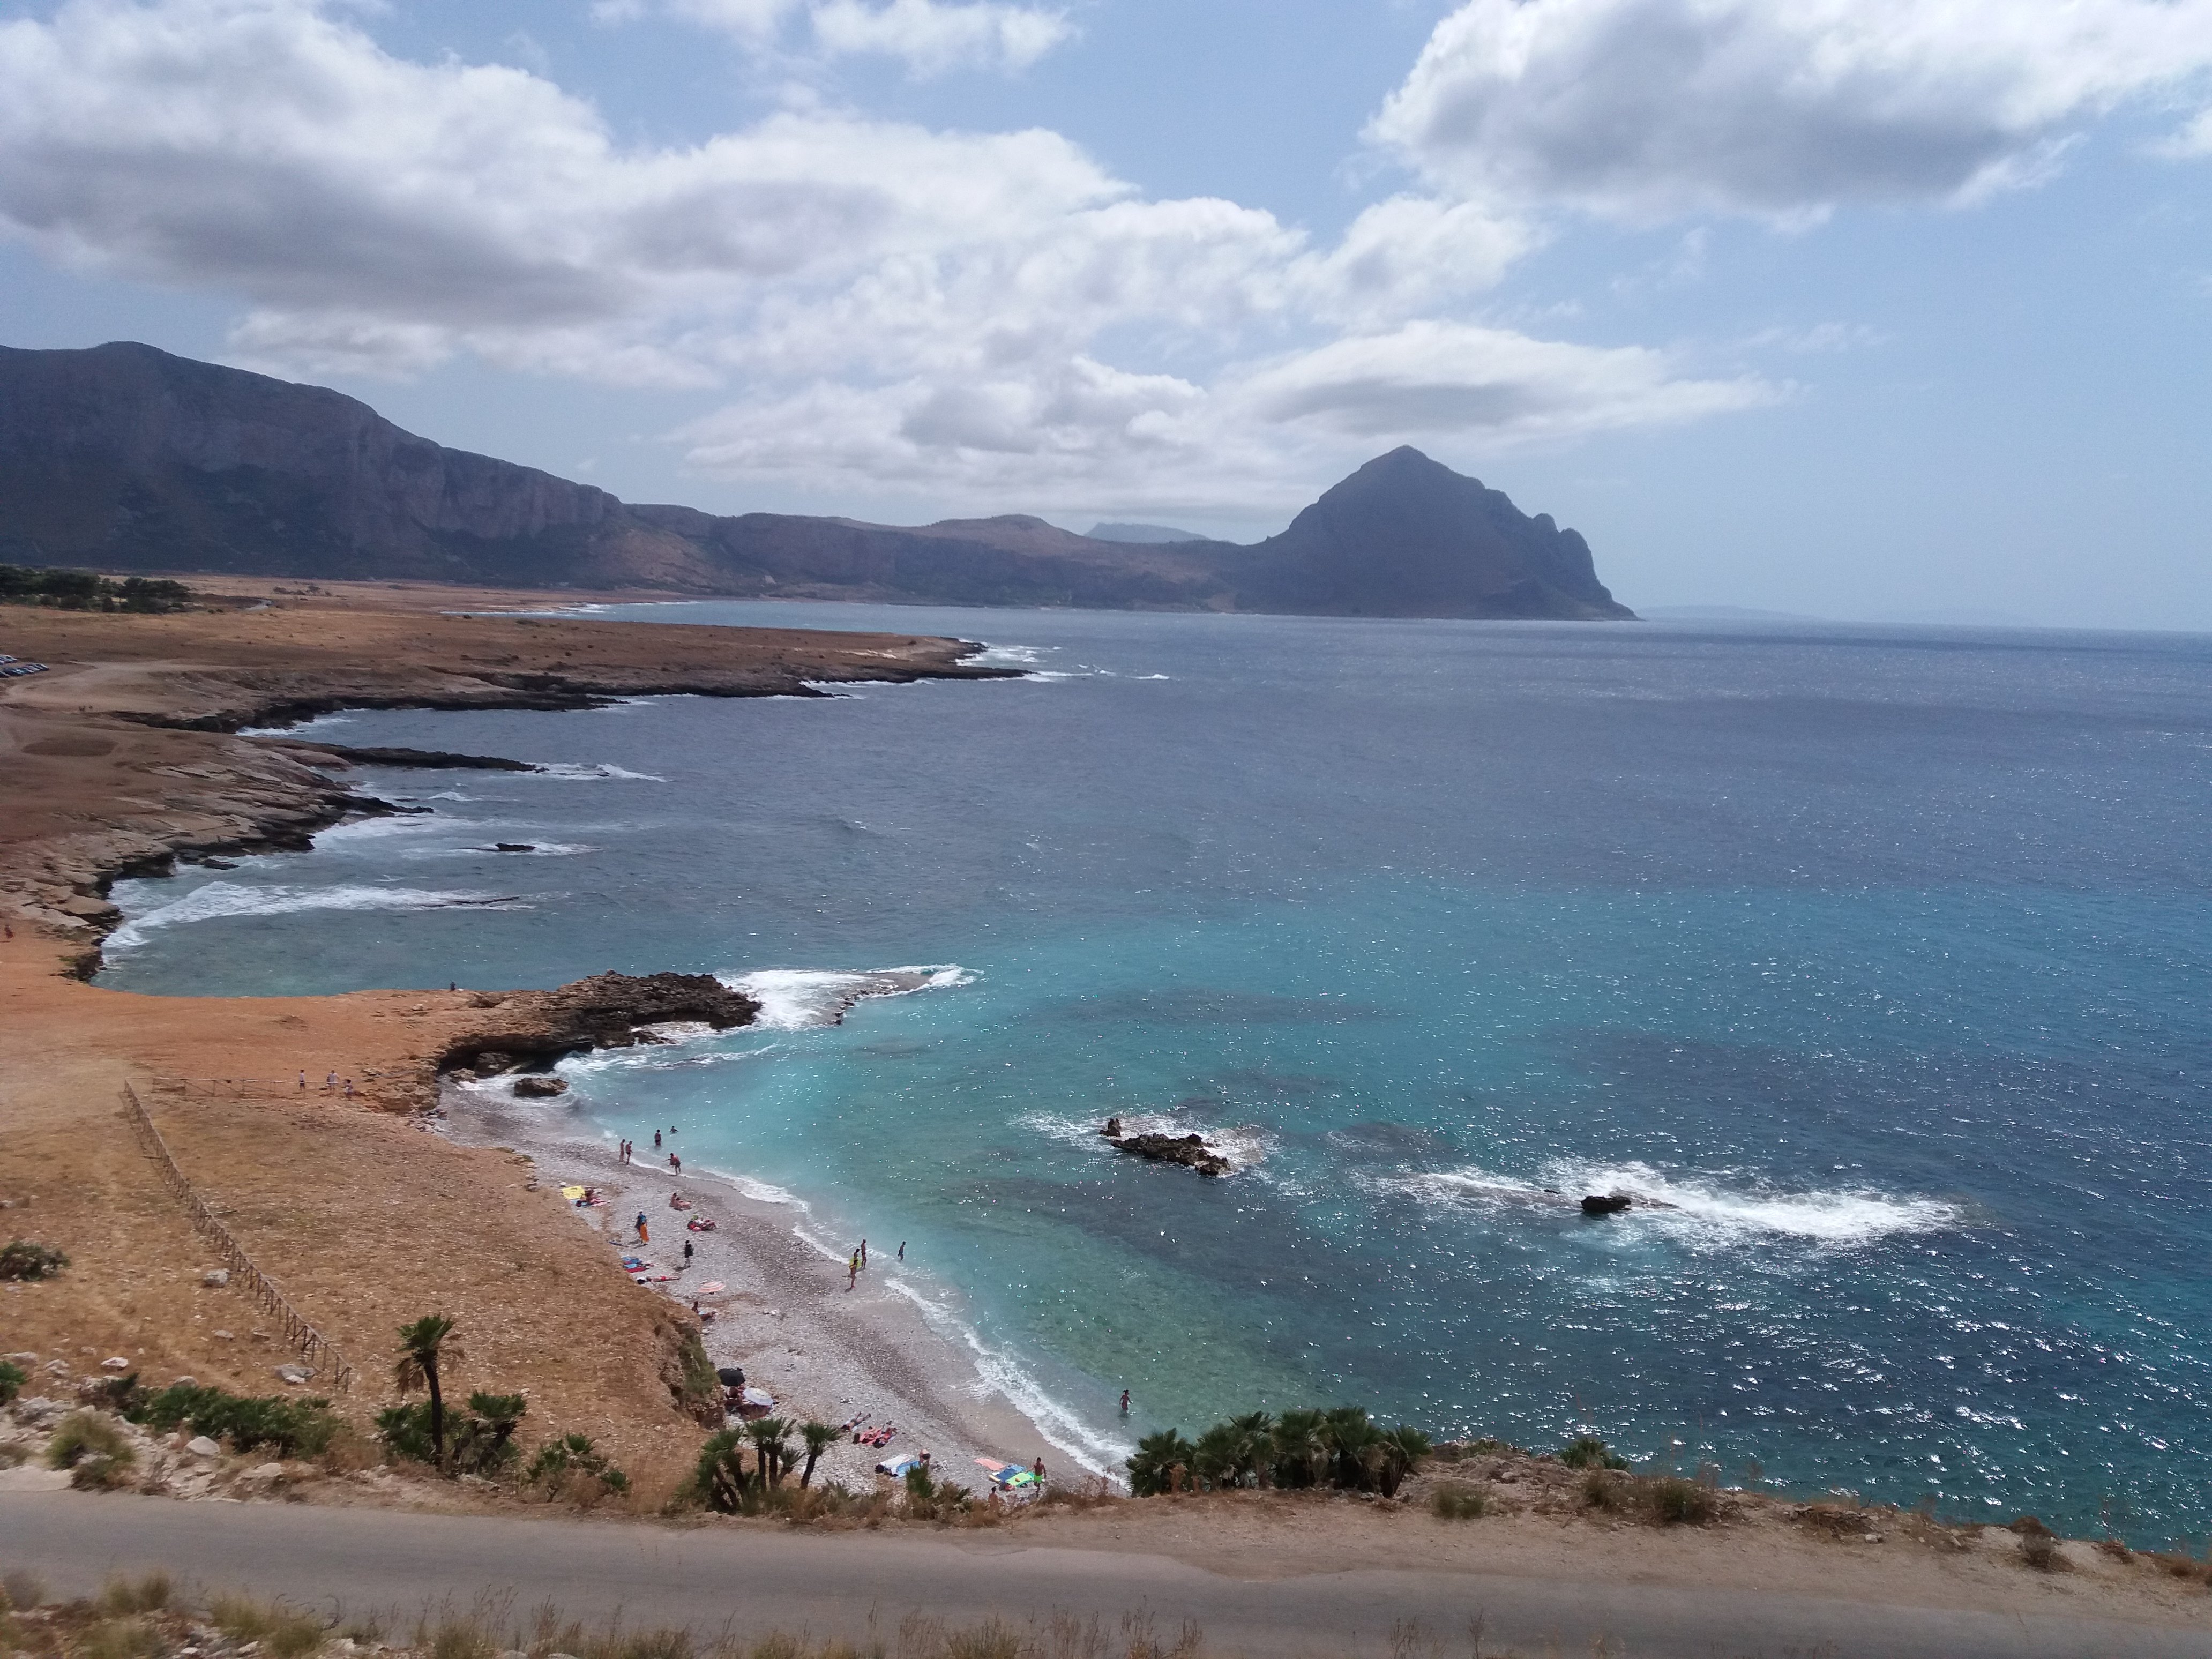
(1875, 964)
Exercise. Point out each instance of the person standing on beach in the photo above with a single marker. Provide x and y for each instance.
(303, 1078)
(331, 1081)
(853, 1271)
(687, 1252)
(1037, 1470)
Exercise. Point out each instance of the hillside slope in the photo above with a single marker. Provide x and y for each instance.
(124, 458)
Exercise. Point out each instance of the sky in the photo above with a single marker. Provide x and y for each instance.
(1889, 309)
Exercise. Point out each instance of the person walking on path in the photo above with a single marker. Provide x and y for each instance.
(303, 1078)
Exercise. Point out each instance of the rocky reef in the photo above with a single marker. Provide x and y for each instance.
(1189, 1150)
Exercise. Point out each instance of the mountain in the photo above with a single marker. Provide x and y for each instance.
(1141, 533)
(124, 458)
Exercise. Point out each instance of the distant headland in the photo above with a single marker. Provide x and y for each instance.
(124, 458)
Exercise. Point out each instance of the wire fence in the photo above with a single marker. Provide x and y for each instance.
(313, 1346)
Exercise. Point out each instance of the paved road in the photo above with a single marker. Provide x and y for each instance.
(356, 1560)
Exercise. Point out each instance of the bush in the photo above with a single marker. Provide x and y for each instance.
(572, 1467)
(479, 1436)
(148, 1595)
(93, 1450)
(285, 1633)
(1460, 1503)
(11, 1381)
(23, 1589)
(120, 1638)
(80, 590)
(2039, 1550)
(22, 1259)
(1675, 1501)
(1589, 1452)
(287, 1427)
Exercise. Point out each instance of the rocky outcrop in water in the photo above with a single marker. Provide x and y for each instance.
(533, 1028)
(1189, 1150)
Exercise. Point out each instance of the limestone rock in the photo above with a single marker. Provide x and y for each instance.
(539, 1087)
(201, 1446)
(215, 1278)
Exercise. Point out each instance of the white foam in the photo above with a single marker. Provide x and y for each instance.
(586, 772)
(227, 898)
(378, 828)
(1698, 1207)
(801, 999)
(1008, 656)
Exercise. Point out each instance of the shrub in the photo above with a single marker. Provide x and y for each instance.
(2039, 1550)
(25, 1590)
(93, 1450)
(80, 590)
(288, 1427)
(285, 1633)
(1453, 1503)
(1158, 1455)
(479, 1437)
(572, 1467)
(148, 1595)
(1589, 1452)
(22, 1259)
(11, 1381)
(120, 1638)
(1600, 1488)
(1675, 1501)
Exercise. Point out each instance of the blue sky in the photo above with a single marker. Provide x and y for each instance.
(1856, 308)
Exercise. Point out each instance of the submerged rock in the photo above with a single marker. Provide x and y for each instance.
(541, 1088)
(1606, 1203)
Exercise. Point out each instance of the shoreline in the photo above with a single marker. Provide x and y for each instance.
(872, 1352)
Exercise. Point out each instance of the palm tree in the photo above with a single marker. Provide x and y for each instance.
(1298, 1448)
(1218, 1457)
(1402, 1449)
(1350, 1436)
(1157, 1455)
(819, 1438)
(425, 1345)
(770, 1446)
(501, 1414)
(1258, 1454)
(720, 1479)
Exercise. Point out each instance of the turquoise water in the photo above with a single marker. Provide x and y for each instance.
(1882, 958)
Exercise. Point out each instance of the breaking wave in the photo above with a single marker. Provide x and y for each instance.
(801, 998)
(229, 898)
(586, 772)
(1698, 1207)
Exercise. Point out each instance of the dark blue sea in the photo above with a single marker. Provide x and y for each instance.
(1877, 963)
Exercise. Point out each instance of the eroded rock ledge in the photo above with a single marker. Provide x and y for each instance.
(528, 1031)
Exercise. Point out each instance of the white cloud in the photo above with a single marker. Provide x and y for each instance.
(991, 319)
(1645, 108)
(930, 36)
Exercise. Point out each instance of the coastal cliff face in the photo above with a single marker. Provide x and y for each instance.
(126, 458)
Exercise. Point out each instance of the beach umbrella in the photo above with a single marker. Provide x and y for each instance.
(731, 1378)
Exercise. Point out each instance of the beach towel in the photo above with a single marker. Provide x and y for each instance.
(572, 1193)
(710, 1287)
(700, 1224)
(896, 1467)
